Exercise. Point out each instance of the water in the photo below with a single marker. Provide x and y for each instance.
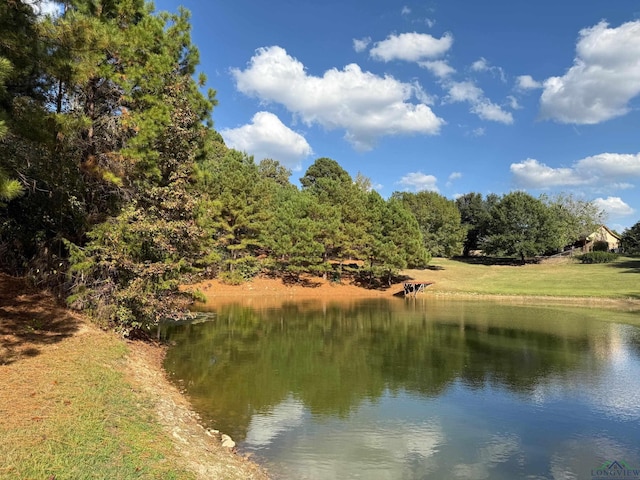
(424, 389)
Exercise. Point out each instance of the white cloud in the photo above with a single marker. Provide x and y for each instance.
(452, 177)
(464, 92)
(405, 10)
(468, 92)
(429, 22)
(614, 206)
(418, 181)
(526, 82)
(612, 170)
(604, 77)
(267, 137)
(532, 174)
(611, 165)
(482, 65)
(411, 47)
(487, 110)
(361, 44)
(439, 68)
(365, 105)
(478, 132)
(513, 102)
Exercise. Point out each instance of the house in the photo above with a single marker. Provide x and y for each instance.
(602, 234)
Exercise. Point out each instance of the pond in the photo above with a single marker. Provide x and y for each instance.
(419, 388)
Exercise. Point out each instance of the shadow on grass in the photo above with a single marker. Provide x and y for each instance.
(489, 261)
(29, 320)
(628, 264)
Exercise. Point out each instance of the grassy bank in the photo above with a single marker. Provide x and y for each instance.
(80, 403)
(73, 415)
(564, 278)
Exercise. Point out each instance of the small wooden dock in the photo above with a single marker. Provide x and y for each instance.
(413, 288)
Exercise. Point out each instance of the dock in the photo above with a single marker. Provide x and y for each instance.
(413, 288)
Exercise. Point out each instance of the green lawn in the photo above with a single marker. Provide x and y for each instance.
(568, 278)
(76, 417)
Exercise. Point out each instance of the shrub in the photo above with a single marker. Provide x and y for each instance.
(232, 278)
(597, 257)
(600, 246)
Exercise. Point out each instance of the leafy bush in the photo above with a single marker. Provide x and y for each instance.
(598, 257)
(600, 246)
(232, 278)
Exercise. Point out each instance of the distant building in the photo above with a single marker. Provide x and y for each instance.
(602, 234)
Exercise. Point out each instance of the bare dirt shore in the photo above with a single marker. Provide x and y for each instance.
(35, 332)
(266, 292)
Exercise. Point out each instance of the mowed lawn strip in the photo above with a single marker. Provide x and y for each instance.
(69, 413)
(568, 278)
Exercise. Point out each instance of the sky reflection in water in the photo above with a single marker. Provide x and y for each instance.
(426, 389)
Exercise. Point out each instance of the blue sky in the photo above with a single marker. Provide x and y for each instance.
(453, 96)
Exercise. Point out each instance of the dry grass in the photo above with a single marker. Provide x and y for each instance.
(80, 403)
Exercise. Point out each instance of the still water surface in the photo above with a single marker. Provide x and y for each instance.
(404, 389)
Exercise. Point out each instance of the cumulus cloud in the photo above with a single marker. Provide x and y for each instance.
(526, 82)
(611, 165)
(464, 92)
(532, 174)
(513, 102)
(411, 47)
(361, 44)
(482, 65)
(607, 169)
(604, 77)
(439, 68)
(614, 206)
(468, 92)
(418, 181)
(452, 177)
(488, 110)
(365, 105)
(267, 137)
(405, 10)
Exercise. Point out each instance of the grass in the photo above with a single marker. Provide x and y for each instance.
(618, 280)
(76, 417)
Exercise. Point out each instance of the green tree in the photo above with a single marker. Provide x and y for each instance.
(439, 221)
(270, 169)
(630, 240)
(575, 218)
(474, 216)
(293, 237)
(129, 271)
(520, 225)
(396, 241)
(9, 188)
(341, 209)
(238, 213)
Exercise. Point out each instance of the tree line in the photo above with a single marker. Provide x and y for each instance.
(115, 187)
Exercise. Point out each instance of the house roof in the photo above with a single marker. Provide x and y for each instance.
(608, 230)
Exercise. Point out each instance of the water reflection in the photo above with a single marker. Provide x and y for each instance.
(395, 389)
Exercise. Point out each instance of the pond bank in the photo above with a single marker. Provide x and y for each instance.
(270, 292)
(76, 400)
